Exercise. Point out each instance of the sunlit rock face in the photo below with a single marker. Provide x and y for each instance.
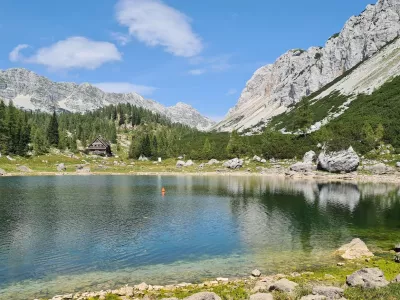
(298, 73)
(31, 91)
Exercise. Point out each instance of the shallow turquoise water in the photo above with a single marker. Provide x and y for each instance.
(63, 234)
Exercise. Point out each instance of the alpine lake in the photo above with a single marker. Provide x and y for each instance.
(62, 234)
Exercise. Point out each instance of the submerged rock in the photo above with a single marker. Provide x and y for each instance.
(203, 296)
(354, 250)
(368, 278)
(337, 162)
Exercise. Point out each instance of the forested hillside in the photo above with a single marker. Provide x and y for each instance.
(369, 121)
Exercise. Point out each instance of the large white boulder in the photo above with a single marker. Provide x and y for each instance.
(235, 163)
(344, 161)
(354, 250)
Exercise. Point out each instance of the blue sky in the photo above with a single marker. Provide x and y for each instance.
(198, 52)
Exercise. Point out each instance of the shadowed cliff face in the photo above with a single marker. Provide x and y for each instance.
(299, 73)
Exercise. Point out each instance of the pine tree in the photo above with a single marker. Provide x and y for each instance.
(207, 149)
(145, 146)
(3, 128)
(52, 132)
(39, 142)
(235, 145)
(303, 117)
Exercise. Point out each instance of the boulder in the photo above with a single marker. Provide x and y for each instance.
(380, 169)
(354, 250)
(203, 296)
(257, 158)
(313, 297)
(368, 278)
(256, 273)
(143, 158)
(180, 164)
(302, 167)
(330, 292)
(213, 162)
(261, 286)
(397, 279)
(284, 285)
(309, 157)
(61, 168)
(235, 163)
(189, 163)
(262, 296)
(24, 169)
(2, 172)
(142, 286)
(263, 161)
(337, 162)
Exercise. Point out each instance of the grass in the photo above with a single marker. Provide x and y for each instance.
(391, 292)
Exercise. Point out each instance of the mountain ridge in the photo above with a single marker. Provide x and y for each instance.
(298, 73)
(29, 90)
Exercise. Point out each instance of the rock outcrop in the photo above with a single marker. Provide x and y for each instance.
(235, 163)
(298, 73)
(344, 161)
(31, 91)
(369, 278)
(354, 250)
(204, 296)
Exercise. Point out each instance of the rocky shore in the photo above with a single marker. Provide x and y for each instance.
(357, 266)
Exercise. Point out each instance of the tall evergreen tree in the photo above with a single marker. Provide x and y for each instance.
(3, 128)
(207, 149)
(52, 131)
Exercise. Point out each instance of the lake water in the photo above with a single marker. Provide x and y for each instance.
(65, 234)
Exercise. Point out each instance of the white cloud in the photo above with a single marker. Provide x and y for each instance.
(157, 24)
(125, 87)
(197, 72)
(15, 55)
(72, 53)
(231, 92)
(121, 38)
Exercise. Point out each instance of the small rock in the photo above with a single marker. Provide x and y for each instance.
(341, 264)
(262, 286)
(263, 161)
(189, 163)
(397, 279)
(222, 279)
(24, 169)
(262, 296)
(397, 258)
(256, 273)
(2, 172)
(203, 296)
(367, 278)
(354, 250)
(213, 162)
(313, 297)
(295, 274)
(257, 158)
(329, 276)
(180, 164)
(284, 285)
(141, 287)
(397, 248)
(61, 168)
(329, 292)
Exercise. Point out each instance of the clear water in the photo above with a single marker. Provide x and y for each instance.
(72, 233)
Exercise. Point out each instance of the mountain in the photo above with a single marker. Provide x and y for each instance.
(31, 91)
(298, 73)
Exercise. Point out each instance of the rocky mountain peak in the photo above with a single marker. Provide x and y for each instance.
(31, 91)
(298, 73)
